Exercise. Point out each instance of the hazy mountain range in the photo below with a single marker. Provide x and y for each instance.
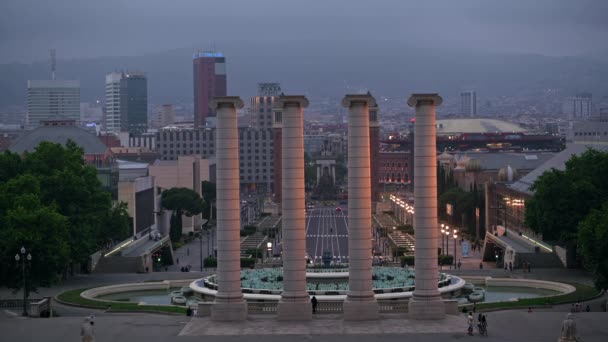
(329, 69)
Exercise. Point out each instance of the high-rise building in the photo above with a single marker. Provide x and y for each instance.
(579, 107)
(126, 102)
(262, 105)
(47, 99)
(209, 75)
(468, 103)
(165, 116)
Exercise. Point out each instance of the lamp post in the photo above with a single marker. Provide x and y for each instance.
(268, 249)
(23, 258)
(455, 237)
(442, 232)
(447, 239)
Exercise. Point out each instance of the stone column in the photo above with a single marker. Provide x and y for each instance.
(332, 167)
(229, 302)
(295, 302)
(360, 303)
(426, 302)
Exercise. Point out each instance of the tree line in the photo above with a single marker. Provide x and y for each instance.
(53, 204)
(570, 208)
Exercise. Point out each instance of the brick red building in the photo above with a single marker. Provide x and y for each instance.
(209, 70)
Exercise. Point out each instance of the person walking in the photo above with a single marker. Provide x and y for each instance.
(459, 264)
(484, 326)
(87, 330)
(314, 303)
(195, 311)
(470, 321)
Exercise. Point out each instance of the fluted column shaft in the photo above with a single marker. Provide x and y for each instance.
(359, 205)
(228, 205)
(294, 216)
(229, 302)
(295, 302)
(425, 196)
(426, 302)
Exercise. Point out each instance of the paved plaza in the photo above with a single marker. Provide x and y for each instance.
(502, 326)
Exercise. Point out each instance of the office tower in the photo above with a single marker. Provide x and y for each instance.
(468, 103)
(165, 116)
(126, 102)
(579, 107)
(47, 99)
(262, 104)
(209, 74)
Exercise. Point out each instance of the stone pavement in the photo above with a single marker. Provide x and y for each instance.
(323, 325)
(516, 326)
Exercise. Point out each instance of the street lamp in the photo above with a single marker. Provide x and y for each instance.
(23, 258)
(442, 232)
(455, 237)
(268, 249)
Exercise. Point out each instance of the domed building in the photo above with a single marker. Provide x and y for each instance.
(60, 130)
(507, 174)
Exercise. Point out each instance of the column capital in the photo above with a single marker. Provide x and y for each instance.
(226, 101)
(291, 101)
(358, 99)
(424, 99)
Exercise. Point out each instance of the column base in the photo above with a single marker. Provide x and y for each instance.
(433, 309)
(294, 311)
(231, 311)
(360, 311)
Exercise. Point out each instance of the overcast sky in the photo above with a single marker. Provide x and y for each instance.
(90, 28)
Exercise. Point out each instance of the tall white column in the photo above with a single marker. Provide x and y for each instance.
(295, 302)
(360, 303)
(229, 302)
(426, 302)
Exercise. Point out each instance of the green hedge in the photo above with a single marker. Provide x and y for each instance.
(73, 297)
(255, 252)
(247, 262)
(441, 260)
(210, 262)
(582, 293)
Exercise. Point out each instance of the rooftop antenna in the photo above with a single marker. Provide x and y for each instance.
(53, 64)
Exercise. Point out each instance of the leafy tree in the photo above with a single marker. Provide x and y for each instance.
(564, 198)
(116, 226)
(182, 201)
(593, 244)
(209, 194)
(52, 203)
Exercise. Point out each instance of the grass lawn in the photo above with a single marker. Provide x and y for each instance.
(73, 297)
(582, 293)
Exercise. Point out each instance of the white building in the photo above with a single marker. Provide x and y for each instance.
(52, 98)
(262, 105)
(468, 103)
(579, 107)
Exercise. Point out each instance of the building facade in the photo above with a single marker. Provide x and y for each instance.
(468, 103)
(209, 75)
(262, 105)
(256, 151)
(126, 102)
(579, 107)
(47, 99)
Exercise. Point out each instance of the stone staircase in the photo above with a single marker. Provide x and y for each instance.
(256, 240)
(540, 260)
(119, 264)
(402, 239)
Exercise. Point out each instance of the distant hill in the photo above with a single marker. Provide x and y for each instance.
(327, 69)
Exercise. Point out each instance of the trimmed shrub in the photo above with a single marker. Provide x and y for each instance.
(210, 262)
(247, 262)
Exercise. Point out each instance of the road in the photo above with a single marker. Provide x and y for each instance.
(327, 230)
